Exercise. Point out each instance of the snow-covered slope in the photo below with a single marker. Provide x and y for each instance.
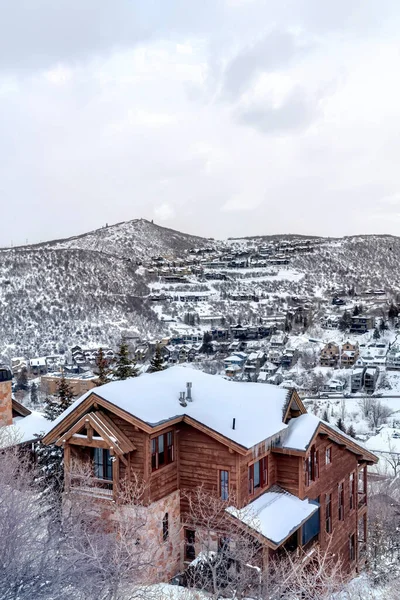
(137, 239)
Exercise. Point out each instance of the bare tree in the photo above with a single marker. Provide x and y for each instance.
(229, 557)
(116, 558)
(379, 413)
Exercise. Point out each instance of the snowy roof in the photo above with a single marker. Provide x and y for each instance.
(275, 514)
(24, 429)
(153, 398)
(300, 432)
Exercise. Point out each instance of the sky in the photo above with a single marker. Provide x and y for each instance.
(215, 117)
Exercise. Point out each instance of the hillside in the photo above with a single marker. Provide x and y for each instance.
(138, 240)
(89, 289)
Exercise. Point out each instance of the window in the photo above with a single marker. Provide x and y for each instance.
(258, 475)
(310, 529)
(341, 501)
(352, 491)
(311, 466)
(328, 455)
(328, 513)
(102, 464)
(352, 546)
(165, 527)
(190, 540)
(162, 450)
(224, 485)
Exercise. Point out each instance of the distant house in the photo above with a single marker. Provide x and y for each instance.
(38, 366)
(393, 358)
(360, 324)
(289, 358)
(330, 322)
(370, 378)
(80, 384)
(278, 340)
(334, 385)
(357, 379)
(18, 363)
(349, 354)
(329, 355)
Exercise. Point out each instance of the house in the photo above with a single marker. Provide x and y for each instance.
(330, 322)
(357, 379)
(334, 385)
(289, 358)
(18, 363)
(349, 354)
(79, 383)
(38, 365)
(329, 355)
(393, 358)
(278, 340)
(370, 378)
(360, 324)
(286, 466)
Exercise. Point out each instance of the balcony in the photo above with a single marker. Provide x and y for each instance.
(362, 499)
(94, 487)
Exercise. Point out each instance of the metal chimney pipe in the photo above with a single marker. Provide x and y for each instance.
(234, 423)
(189, 391)
(182, 400)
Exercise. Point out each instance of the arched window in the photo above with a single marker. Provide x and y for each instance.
(165, 527)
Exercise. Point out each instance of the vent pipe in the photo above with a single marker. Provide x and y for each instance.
(189, 392)
(182, 400)
(234, 423)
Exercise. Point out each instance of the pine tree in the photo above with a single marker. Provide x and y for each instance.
(102, 370)
(345, 321)
(340, 425)
(34, 394)
(206, 347)
(156, 363)
(22, 379)
(124, 367)
(376, 334)
(64, 393)
(351, 431)
(356, 311)
(325, 416)
(382, 325)
(393, 312)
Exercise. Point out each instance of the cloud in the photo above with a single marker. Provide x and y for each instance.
(296, 111)
(275, 50)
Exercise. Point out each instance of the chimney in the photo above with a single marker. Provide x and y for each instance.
(182, 400)
(5, 396)
(189, 392)
(233, 423)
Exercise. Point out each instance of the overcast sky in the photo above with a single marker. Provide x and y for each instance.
(215, 117)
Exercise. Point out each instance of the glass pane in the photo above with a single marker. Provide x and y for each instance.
(257, 474)
(161, 453)
(98, 463)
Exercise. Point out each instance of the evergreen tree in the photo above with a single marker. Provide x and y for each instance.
(376, 334)
(382, 325)
(65, 394)
(34, 394)
(325, 416)
(393, 312)
(125, 367)
(102, 371)
(156, 363)
(206, 347)
(356, 311)
(340, 425)
(351, 431)
(22, 379)
(345, 321)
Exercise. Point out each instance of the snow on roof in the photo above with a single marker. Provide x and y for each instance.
(25, 429)
(153, 398)
(300, 432)
(275, 514)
